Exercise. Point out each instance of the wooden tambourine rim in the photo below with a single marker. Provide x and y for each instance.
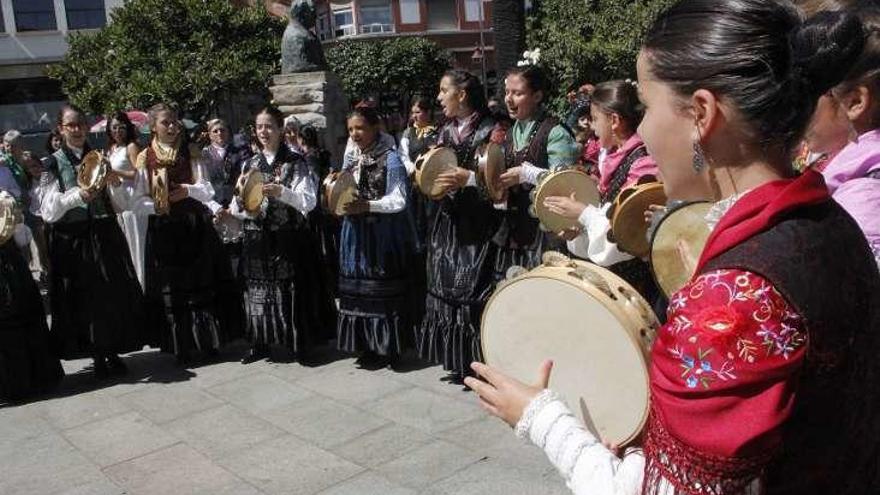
(628, 321)
(578, 179)
(7, 221)
(663, 282)
(650, 193)
(493, 167)
(339, 195)
(252, 191)
(92, 160)
(431, 159)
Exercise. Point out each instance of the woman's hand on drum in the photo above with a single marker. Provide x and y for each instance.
(510, 177)
(272, 190)
(567, 207)
(179, 193)
(456, 178)
(357, 207)
(504, 396)
(652, 211)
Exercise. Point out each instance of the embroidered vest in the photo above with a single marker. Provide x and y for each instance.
(372, 183)
(65, 171)
(419, 145)
(286, 167)
(465, 151)
(522, 228)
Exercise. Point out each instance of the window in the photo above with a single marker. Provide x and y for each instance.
(472, 11)
(85, 14)
(442, 15)
(376, 16)
(34, 15)
(409, 12)
(324, 30)
(344, 22)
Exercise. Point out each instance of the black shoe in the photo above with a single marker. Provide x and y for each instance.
(100, 369)
(115, 365)
(254, 354)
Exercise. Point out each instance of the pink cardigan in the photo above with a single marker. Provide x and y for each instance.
(643, 166)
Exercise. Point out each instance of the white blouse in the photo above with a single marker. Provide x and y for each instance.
(302, 195)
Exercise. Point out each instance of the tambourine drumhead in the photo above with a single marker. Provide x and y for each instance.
(686, 224)
(340, 191)
(493, 165)
(93, 171)
(594, 328)
(563, 183)
(430, 166)
(628, 225)
(252, 191)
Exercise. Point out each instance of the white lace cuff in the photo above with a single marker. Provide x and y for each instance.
(531, 411)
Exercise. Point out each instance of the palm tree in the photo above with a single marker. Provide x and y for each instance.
(508, 22)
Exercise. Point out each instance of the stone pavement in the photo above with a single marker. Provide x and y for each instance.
(264, 428)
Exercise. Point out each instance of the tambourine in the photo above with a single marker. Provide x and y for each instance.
(250, 190)
(627, 214)
(562, 183)
(431, 165)
(159, 190)
(492, 165)
(340, 189)
(92, 173)
(684, 223)
(9, 217)
(594, 326)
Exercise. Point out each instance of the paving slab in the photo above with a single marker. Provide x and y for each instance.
(260, 392)
(118, 439)
(424, 465)
(177, 470)
(166, 402)
(322, 421)
(288, 465)
(382, 445)
(353, 385)
(223, 430)
(368, 483)
(425, 410)
(75, 410)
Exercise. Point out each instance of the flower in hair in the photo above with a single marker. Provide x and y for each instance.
(634, 84)
(530, 58)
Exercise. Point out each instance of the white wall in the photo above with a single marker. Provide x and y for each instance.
(25, 54)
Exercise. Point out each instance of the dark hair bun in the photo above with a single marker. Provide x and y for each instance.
(824, 48)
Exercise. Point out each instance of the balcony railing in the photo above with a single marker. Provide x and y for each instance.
(376, 28)
(345, 30)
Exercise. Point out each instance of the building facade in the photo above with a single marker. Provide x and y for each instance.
(33, 35)
(463, 27)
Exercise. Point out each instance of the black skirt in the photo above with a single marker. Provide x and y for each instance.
(376, 256)
(27, 364)
(287, 300)
(460, 263)
(96, 300)
(194, 301)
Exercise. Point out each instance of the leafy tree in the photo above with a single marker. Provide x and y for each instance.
(590, 40)
(401, 67)
(192, 52)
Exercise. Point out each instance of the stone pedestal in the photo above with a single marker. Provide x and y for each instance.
(315, 98)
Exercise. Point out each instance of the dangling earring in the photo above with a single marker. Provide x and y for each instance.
(699, 158)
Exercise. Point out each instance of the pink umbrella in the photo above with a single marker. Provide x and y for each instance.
(137, 117)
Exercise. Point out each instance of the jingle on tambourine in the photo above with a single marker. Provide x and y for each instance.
(93, 171)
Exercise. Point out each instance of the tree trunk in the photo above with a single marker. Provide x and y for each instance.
(508, 22)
